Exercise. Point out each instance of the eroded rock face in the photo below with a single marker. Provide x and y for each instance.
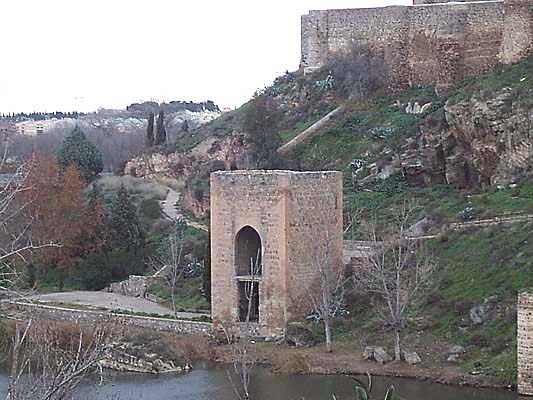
(210, 155)
(179, 165)
(481, 142)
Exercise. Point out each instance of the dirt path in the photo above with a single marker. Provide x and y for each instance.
(172, 213)
(110, 301)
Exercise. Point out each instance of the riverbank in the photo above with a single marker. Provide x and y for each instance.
(282, 359)
(347, 359)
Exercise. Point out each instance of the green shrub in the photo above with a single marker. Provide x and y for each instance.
(150, 208)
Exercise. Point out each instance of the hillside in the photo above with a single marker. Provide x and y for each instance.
(461, 155)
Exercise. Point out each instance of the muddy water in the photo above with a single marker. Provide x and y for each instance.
(211, 382)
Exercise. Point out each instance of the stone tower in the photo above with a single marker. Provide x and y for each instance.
(282, 221)
(525, 343)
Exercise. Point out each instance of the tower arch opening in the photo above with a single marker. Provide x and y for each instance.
(248, 252)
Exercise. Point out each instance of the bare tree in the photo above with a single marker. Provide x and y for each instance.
(169, 264)
(397, 272)
(328, 297)
(49, 361)
(243, 359)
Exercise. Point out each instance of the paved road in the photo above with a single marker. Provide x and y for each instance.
(110, 301)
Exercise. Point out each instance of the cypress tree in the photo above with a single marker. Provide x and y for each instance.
(161, 132)
(124, 222)
(150, 131)
(185, 126)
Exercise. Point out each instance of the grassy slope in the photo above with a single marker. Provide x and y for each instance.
(473, 265)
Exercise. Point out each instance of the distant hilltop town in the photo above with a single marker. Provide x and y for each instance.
(426, 43)
(131, 119)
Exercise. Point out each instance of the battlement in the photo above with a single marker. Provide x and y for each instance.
(426, 43)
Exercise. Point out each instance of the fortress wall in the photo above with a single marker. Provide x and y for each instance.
(517, 40)
(426, 44)
(448, 43)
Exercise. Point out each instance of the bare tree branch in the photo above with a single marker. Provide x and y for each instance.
(398, 270)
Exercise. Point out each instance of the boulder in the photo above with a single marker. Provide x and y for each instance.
(368, 354)
(376, 353)
(381, 355)
(299, 335)
(455, 353)
(411, 358)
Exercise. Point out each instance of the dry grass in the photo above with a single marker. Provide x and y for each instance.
(138, 187)
(289, 363)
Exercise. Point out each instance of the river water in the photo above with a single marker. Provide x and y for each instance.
(211, 382)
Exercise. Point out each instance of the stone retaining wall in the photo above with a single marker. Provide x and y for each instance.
(69, 314)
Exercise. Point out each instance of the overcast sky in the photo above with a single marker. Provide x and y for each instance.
(86, 54)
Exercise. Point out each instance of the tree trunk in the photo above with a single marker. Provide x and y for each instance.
(327, 328)
(397, 350)
(173, 303)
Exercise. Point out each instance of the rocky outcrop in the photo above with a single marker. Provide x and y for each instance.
(181, 165)
(117, 358)
(483, 140)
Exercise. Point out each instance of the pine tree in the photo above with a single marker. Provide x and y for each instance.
(124, 223)
(150, 131)
(77, 150)
(161, 132)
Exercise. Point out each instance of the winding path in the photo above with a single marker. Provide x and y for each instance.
(171, 212)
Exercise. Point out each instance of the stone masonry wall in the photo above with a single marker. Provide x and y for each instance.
(256, 199)
(85, 316)
(285, 209)
(525, 343)
(316, 235)
(425, 44)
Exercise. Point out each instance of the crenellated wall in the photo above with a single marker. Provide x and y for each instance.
(424, 44)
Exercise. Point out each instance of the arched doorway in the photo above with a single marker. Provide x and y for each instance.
(248, 259)
(248, 252)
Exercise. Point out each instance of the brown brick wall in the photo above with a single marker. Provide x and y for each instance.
(426, 44)
(283, 207)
